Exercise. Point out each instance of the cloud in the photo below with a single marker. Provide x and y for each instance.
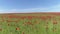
(55, 8)
(29, 10)
(22, 10)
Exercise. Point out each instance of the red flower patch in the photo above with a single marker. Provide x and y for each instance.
(29, 17)
(13, 16)
(23, 17)
(49, 17)
(43, 17)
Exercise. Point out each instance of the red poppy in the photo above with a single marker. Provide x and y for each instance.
(17, 28)
(54, 22)
(10, 16)
(22, 32)
(12, 21)
(54, 30)
(49, 17)
(43, 17)
(23, 17)
(29, 23)
(29, 17)
(3, 16)
(0, 29)
(2, 20)
(13, 16)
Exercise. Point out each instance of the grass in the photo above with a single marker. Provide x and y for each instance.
(30, 24)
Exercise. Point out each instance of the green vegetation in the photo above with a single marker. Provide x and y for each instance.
(30, 24)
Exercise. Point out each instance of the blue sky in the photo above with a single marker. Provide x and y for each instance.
(29, 5)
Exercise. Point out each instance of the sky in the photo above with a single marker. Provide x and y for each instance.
(29, 6)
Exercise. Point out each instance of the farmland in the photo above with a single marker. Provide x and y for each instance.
(30, 23)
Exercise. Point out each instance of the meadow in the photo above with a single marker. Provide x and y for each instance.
(30, 23)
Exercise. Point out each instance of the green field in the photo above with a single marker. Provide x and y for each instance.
(38, 23)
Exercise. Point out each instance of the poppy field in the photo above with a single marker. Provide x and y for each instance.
(39, 23)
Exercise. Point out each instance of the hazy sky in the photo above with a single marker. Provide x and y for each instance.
(29, 5)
